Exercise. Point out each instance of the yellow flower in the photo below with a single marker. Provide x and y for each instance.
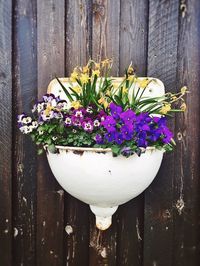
(174, 98)
(84, 78)
(106, 62)
(96, 72)
(103, 101)
(97, 65)
(125, 90)
(74, 75)
(77, 89)
(105, 104)
(115, 85)
(76, 104)
(131, 78)
(130, 70)
(143, 83)
(48, 109)
(165, 109)
(108, 92)
(85, 69)
(183, 107)
(184, 90)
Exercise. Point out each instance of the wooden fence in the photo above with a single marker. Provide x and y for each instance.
(42, 225)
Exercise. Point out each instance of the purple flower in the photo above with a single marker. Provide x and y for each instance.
(76, 121)
(128, 117)
(168, 135)
(88, 125)
(119, 138)
(79, 113)
(115, 110)
(142, 142)
(102, 115)
(99, 139)
(110, 136)
(109, 123)
(154, 135)
(127, 132)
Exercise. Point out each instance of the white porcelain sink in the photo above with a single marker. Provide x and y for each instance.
(104, 182)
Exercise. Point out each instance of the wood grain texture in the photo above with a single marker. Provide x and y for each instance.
(105, 31)
(105, 44)
(162, 64)
(24, 153)
(78, 52)
(5, 132)
(186, 183)
(78, 33)
(40, 224)
(50, 196)
(133, 35)
(103, 244)
(133, 47)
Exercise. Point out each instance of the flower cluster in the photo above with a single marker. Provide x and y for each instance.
(99, 111)
(127, 129)
(53, 123)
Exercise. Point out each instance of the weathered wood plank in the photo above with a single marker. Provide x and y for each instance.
(133, 35)
(5, 132)
(105, 31)
(78, 51)
(50, 196)
(186, 183)
(103, 244)
(105, 44)
(133, 47)
(162, 63)
(78, 33)
(24, 154)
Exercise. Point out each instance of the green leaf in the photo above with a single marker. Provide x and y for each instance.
(40, 151)
(52, 148)
(65, 90)
(115, 150)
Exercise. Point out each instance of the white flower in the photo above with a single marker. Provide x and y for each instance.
(40, 131)
(26, 129)
(26, 120)
(47, 116)
(20, 117)
(35, 124)
(68, 121)
(40, 107)
(96, 123)
(89, 110)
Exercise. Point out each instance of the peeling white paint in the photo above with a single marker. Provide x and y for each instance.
(60, 192)
(25, 200)
(104, 253)
(68, 229)
(16, 232)
(138, 230)
(180, 205)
